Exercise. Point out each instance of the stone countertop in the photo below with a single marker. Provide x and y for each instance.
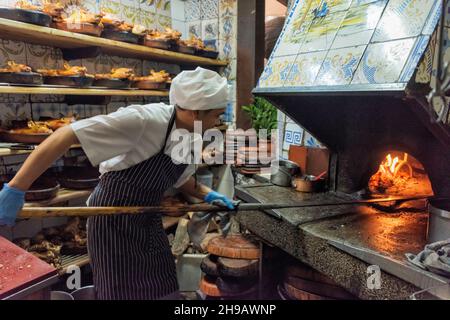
(304, 234)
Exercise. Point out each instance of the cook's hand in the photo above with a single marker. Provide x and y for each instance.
(11, 202)
(219, 199)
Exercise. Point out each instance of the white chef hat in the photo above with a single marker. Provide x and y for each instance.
(199, 89)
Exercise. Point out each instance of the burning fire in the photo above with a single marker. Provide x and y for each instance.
(393, 171)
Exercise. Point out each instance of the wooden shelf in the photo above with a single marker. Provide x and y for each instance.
(15, 30)
(81, 91)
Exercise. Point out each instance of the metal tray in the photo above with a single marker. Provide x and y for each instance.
(123, 36)
(207, 53)
(160, 44)
(6, 136)
(70, 81)
(21, 78)
(149, 85)
(84, 28)
(28, 16)
(112, 83)
(185, 49)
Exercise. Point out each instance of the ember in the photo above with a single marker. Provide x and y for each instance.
(399, 174)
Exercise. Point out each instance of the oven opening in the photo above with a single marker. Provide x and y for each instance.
(400, 174)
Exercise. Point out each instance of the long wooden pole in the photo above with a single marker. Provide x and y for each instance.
(40, 212)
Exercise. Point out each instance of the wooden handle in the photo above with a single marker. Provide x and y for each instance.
(46, 212)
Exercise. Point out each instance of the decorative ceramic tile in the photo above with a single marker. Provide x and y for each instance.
(14, 111)
(305, 69)
(433, 19)
(210, 29)
(147, 5)
(402, 19)
(163, 7)
(212, 44)
(42, 57)
(170, 68)
(227, 8)
(209, 9)
(228, 49)
(230, 70)
(150, 65)
(357, 3)
(383, 62)
(181, 27)
(134, 64)
(277, 71)
(359, 25)
(338, 5)
(45, 110)
(147, 18)
(414, 58)
(194, 29)
(110, 6)
(130, 12)
(322, 32)
(293, 134)
(163, 22)
(78, 110)
(310, 141)
(178, 9)
(232, 90)
(14, 98)
(114, 106)
(192, 10)
(228, 27)
(339, 66)
(94, 110)
(425, 68)
(92, 5)
(46, 98)
(12, 50)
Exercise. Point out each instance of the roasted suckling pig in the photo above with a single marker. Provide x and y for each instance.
(58, 123)
(15, 67)
(195, 43)
(160, 76)
(167, 34)
(33, 128)
(82, 16)
(67, 71)
(118, 73)
(52, 8)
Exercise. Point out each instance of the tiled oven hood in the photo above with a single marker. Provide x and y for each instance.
(355, 74)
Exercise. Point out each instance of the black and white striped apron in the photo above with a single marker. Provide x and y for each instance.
(130, 255)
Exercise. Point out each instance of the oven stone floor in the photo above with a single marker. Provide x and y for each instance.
(305, 234)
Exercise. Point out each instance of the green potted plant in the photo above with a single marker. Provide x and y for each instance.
(263, 115)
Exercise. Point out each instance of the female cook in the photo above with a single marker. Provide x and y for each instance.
(130, 254)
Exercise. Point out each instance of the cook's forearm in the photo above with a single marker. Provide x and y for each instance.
(198, 191)
(43, 157)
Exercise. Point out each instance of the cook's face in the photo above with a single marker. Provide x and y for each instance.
(210, 118)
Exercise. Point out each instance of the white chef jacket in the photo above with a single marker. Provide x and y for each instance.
(129, 136)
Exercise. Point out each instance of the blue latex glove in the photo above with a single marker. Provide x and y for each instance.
(11, 202)
(219, 199)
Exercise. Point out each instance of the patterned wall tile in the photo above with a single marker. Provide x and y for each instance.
(92, 5)
(339, 66)
(321, 33)
(227, 8)
(293, 134)
(210, 29)
(163, 7)
(46, 110)
(43, 57)
(230, 70)
(147, 17)
(276, 73)
(383, 62)
(177, 8)
(228, 48)
(181, 27)
(228, 27)
(305, 69)
(163, 22)
(111, 6)
(12, 50)
(114, 106)
(195, 29)
(192, 10)
(310, 141)
(148, 5)
(209, 9)
(414, 58)
(79, 110)
(14, 111)
(129, 11)
(46, 98)
(135, 64)
(359, 25)
(402, 19)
